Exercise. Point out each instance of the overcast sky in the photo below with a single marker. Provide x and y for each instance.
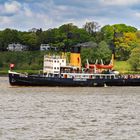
(45, 14)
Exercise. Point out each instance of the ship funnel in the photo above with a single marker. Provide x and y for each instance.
(75, 58)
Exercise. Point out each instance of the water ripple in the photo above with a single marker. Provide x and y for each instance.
(46, 113)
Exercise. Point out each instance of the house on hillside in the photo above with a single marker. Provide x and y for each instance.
(47, 47)
(89, 44)
(17, 47)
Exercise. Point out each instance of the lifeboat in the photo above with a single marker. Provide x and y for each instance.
(98, 66)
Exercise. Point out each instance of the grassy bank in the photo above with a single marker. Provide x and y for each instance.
(3, 72)
(124, 68)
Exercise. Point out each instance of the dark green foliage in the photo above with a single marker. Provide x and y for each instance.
(102, 51)
(134, 59)
(29, 60)
(8, 36)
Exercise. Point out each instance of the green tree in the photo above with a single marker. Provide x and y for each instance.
(30, 39)
(104, 52)
(125, 44)
(8, 36)
(92, 27)
(108, 30)
(134, 59)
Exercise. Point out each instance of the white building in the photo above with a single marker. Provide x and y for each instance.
(16, 47)
(47, 47)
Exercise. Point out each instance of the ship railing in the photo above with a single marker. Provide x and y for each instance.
(54, 57)
(90, 76)
(130, 76)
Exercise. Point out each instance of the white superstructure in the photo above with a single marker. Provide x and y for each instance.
(52, 64)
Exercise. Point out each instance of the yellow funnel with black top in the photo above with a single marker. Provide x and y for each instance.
(75, 58)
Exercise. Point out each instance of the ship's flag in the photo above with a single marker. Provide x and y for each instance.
(12, 66)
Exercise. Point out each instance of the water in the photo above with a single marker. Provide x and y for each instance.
(46, 113)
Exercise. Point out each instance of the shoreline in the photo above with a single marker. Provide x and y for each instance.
(3, 75)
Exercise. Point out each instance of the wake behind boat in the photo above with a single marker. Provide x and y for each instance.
(57, 72)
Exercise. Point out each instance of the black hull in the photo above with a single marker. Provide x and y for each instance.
(38, 80)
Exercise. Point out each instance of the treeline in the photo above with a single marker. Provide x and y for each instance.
(27, 60)
(126, 39)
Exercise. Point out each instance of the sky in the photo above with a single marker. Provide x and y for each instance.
(46, 14)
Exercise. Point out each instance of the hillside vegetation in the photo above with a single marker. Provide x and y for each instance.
(122, 39)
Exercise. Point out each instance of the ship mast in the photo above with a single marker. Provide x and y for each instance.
(113, 46)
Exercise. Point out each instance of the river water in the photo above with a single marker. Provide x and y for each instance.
(60, 113)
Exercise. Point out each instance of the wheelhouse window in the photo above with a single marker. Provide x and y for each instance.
(112, 77)
(97, 77)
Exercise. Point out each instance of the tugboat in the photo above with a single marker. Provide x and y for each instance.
(57, 72)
